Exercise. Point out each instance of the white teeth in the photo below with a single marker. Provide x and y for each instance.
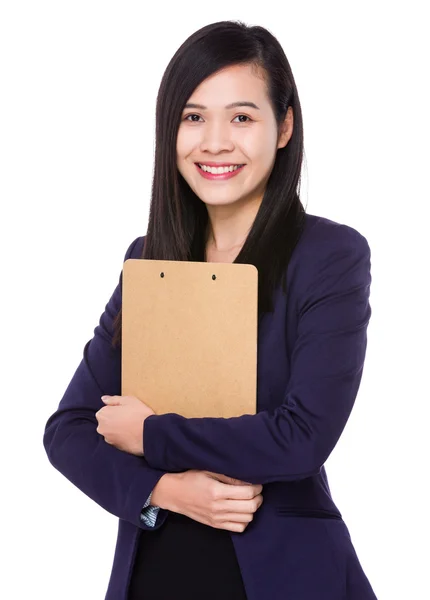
(218, 170)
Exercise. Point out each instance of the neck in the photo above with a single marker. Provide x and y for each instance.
(228, 227)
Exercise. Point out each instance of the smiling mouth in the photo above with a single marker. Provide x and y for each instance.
(213, 170)
(221, 174)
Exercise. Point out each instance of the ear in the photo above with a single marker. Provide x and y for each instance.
(286, 128)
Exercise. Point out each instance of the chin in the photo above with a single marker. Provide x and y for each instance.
(219, 201)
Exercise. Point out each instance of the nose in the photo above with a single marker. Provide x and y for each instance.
(216, 137)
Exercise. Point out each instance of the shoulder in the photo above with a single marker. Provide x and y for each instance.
(135, 249)
(321, 237)
(326, 251)
(323, 241)
(323, 234)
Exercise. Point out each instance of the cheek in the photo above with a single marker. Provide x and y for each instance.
(260, 147)
(262, 160)
(180, 154)
(186, 142)
(179, 146)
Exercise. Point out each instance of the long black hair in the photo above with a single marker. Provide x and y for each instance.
(178, 219)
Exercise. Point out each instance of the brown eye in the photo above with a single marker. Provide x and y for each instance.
(192, 120)
(246, 117)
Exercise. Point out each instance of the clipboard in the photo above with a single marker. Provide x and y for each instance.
(189, 336)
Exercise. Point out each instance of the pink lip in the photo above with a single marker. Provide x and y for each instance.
(219, 176)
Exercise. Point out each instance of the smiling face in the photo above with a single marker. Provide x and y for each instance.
(216, 130)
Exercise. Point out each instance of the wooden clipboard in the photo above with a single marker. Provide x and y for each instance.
(189, 336)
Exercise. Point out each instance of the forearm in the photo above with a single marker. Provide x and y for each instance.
(117, 481)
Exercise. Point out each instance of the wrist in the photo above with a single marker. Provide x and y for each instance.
(165, 492)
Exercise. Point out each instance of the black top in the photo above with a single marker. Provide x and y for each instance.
(186, 559)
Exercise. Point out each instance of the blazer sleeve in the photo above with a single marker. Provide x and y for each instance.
(118, 481)
(294, 440)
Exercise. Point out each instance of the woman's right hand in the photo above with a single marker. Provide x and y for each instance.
(211, 498)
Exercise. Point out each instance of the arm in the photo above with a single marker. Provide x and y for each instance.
(294, 440)
(116, 480)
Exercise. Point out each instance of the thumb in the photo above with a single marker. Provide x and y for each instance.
(234, 481)
(227, 479)
(112, 400)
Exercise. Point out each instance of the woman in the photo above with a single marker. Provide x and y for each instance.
(241, 507)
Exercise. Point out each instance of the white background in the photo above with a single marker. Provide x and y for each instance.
(77, 113)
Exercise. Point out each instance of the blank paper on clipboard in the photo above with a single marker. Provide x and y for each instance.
(189, 336)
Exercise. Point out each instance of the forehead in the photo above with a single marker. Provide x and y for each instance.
(237, 82)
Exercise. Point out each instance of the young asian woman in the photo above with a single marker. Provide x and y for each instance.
(229, 150)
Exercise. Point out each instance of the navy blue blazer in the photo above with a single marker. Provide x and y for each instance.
(311, 353)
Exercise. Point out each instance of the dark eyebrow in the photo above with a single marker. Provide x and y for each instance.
(232, 105)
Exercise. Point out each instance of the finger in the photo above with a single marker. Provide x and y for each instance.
(111, 400)
(230, 526)
(237, 492)
(240, 507)
(236, 517)
(234, 481)
(227, 479)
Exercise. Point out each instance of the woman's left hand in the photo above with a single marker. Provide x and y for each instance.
(121, 422)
